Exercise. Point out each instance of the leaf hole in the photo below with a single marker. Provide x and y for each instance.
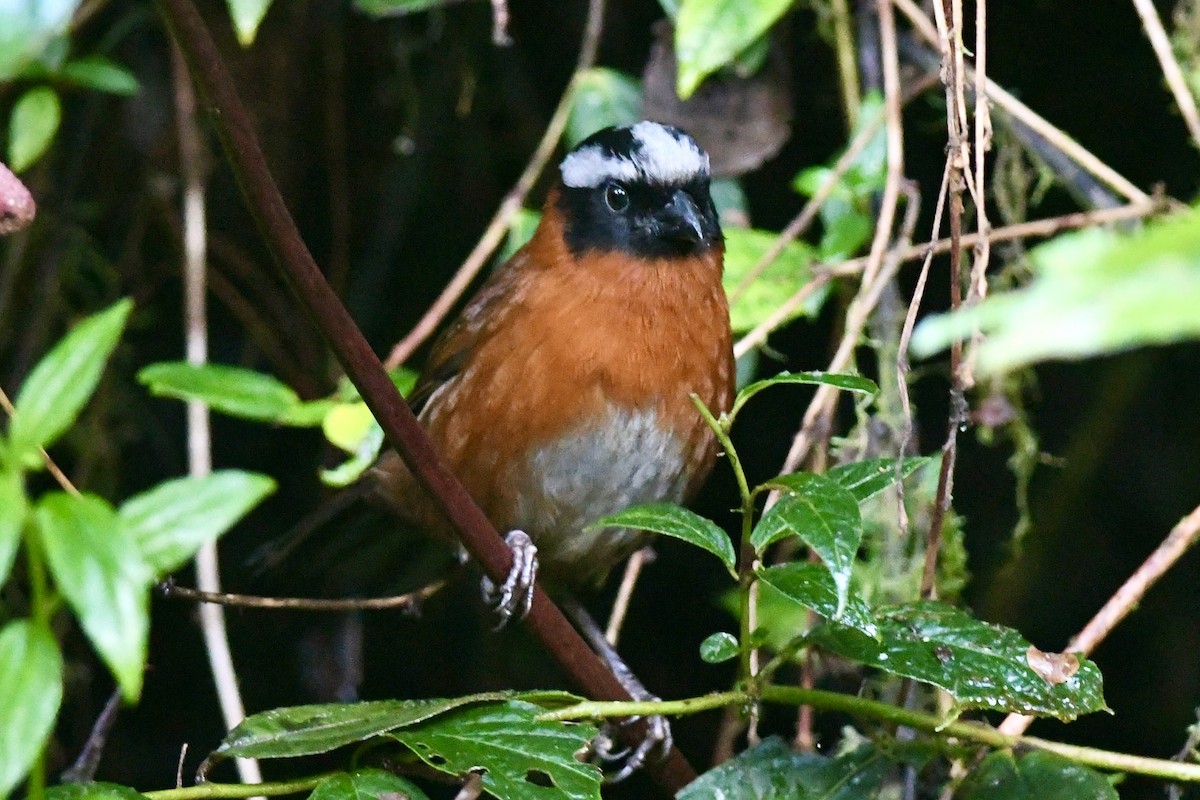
(539, 778)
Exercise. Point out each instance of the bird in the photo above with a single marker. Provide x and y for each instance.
(562, 392)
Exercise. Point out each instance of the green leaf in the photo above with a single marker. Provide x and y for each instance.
(93, 791)
(711, 33)
(771, 771)
(34, 121)
(518, 756)
(671, 520)
(31, 675)
(27, 28)
(13, 510)
(1093, 292)
(171, 521)
(63, 381)
(812, 586)
(247, 15)
(100, 73)
(719, 647)
(397, 8)
(824, 515)
(838, 380)
(520, 231)
(788, 274)
(601, 98)
(367, 784)
(235, 391)
(1035, 776)
(96, 565)
(867, 478)
(347, 425)
(980, 665)
(310, 729)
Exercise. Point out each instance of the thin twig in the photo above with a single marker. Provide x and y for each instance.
(84, 768)
(404, 602)
(1125, 600)
(1172, 72)
(55, 471)
(512, 202)
(199, 433)
(633, 570)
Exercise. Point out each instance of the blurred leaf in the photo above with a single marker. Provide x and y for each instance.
(26, 28)
(397, 8)
(718, 647)
(63, 381)
(777, 283)
(840, 380)
(1093, 292)
(31, 676)
(247, 15)
(711, 33)
(97, 567)
(824, 515)
(864, 479)
(100, 73)
(31, 128)
(602, 98)
(171, 521)
(235, 391)
(771, 771)
(13, 509)
(979, 665)
(366, 784)
(347, 424)
(311, 729)
(359, 462)
(517, 755)
(520, 231)
(671, 520)
(1035, 776)
(812, 586)
(93, 791)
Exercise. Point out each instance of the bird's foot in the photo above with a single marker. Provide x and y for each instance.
(514, 597)
(607, 750)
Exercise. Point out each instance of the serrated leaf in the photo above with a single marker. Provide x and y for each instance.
(824, 515)
(771, 771)
(679, 523)
(744, 248)
(838, 380)
(32, 125)
(235, 391)
(980, 665)
(100, 73)
(812, 586)
(366, 784)
(602, 98)
(247, 15)
(13, 509)
(93, 791)
(310, 729)
(1093, 292)
(711, 33)
(864, 479)
(63, 381)
(718, 647)
(1035, 776)
(517, 754)
(98, 568)
(31, 684)
(171, 521)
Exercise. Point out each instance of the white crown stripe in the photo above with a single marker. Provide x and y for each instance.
(660, 155)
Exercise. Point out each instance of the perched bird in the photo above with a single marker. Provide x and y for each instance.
(562, 392)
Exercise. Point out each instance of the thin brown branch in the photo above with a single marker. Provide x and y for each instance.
(1171, 70)
(404, 602)
(493, 235)
(401, 429)
(1185, 534)
(629, 579)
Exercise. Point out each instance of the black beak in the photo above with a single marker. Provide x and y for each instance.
(679, 220)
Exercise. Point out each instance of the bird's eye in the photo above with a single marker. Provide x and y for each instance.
(616, 197)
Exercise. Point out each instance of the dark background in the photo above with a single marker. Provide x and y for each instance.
(466, 116)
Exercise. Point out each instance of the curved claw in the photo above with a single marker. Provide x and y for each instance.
(658, 738)
(514, 597)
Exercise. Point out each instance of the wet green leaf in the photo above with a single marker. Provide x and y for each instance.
(719, 647)
(838, 380)
(812, 586)
(710, 34)
(1036, 776)
(671, 520)
(771, 771)
(93, 791)
(367, 784)
(864, 479)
